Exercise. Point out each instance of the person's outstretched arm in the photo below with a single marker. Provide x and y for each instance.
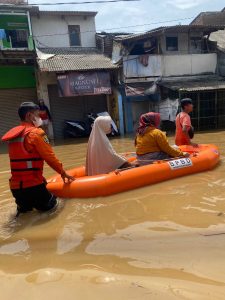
(165, 146)
(41, 144)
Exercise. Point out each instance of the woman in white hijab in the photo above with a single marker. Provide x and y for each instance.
(101, 157)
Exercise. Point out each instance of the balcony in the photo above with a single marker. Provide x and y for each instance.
(17, 40)
(147, 66)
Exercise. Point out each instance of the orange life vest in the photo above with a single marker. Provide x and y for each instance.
(26, 167)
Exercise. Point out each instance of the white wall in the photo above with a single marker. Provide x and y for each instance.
(170, 65)
(56, 28)
(189, 64)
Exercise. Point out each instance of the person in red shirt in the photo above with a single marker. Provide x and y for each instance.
(28, 149)
(45, 115)
(184, 129)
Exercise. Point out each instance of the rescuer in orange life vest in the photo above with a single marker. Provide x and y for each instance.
(28, 149)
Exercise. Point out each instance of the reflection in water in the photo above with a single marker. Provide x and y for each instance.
(169, 231)
(70, 238)
(14, 248)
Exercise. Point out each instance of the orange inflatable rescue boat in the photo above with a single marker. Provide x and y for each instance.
(203, 158)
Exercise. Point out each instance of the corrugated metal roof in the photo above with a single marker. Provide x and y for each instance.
(178, 28)
(66, 12)
(74, 59)
(21, 7)
(69, 50)
(201, 84)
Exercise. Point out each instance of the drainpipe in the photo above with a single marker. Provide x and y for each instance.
(120, 108)
(30, 31)
(29, 22)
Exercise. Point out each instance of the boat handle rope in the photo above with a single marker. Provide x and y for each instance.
(118, 171)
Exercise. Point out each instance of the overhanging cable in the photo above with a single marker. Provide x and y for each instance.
(84, 2)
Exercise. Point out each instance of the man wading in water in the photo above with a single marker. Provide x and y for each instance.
(28, 149)
(184, 129)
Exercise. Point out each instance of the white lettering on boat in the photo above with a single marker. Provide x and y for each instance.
(180, 163)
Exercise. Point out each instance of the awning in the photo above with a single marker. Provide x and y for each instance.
(198, 84)
(140, 89)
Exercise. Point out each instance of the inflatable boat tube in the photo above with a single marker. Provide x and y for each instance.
(203, 158)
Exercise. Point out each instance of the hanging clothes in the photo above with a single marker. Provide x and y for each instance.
(2, 34)
(168, 109)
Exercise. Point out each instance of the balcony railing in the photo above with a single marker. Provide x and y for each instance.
(7, 44)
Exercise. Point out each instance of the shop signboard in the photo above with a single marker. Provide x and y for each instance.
(84, 83)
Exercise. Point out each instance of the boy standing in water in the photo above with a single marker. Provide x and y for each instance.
(184, 129)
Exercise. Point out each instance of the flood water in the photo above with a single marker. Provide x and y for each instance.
(165, 241)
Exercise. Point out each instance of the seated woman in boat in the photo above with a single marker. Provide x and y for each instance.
(101, 157)
(151, 143)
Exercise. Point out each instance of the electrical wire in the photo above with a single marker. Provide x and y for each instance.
(108, 29)
(84, 2)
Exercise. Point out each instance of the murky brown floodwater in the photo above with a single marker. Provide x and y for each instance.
(165, 241)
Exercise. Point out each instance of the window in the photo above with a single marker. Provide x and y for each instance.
(196, 44)
(171, 43)
(18, 38)
(74, 34)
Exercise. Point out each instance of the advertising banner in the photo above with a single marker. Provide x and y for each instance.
(84, 83)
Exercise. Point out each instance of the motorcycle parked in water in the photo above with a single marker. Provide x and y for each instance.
(74, 128)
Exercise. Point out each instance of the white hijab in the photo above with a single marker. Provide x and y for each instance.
(101, 157)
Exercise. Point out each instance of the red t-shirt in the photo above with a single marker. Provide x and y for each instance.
(182, 119)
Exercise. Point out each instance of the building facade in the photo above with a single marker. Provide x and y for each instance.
(169, 63)
(66, 50)
(63, 29)
(17, 63)
(39, 50)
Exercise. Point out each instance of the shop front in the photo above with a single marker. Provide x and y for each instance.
(17, 85)
(74, 83)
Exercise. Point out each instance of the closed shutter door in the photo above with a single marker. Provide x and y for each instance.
(72, 108)
(10, 100)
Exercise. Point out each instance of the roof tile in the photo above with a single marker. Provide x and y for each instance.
(74, 59)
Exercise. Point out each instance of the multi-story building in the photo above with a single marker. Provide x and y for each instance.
(218, 37)
(17, 62)
(171, 62)
(73, 77)
(52, 55)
